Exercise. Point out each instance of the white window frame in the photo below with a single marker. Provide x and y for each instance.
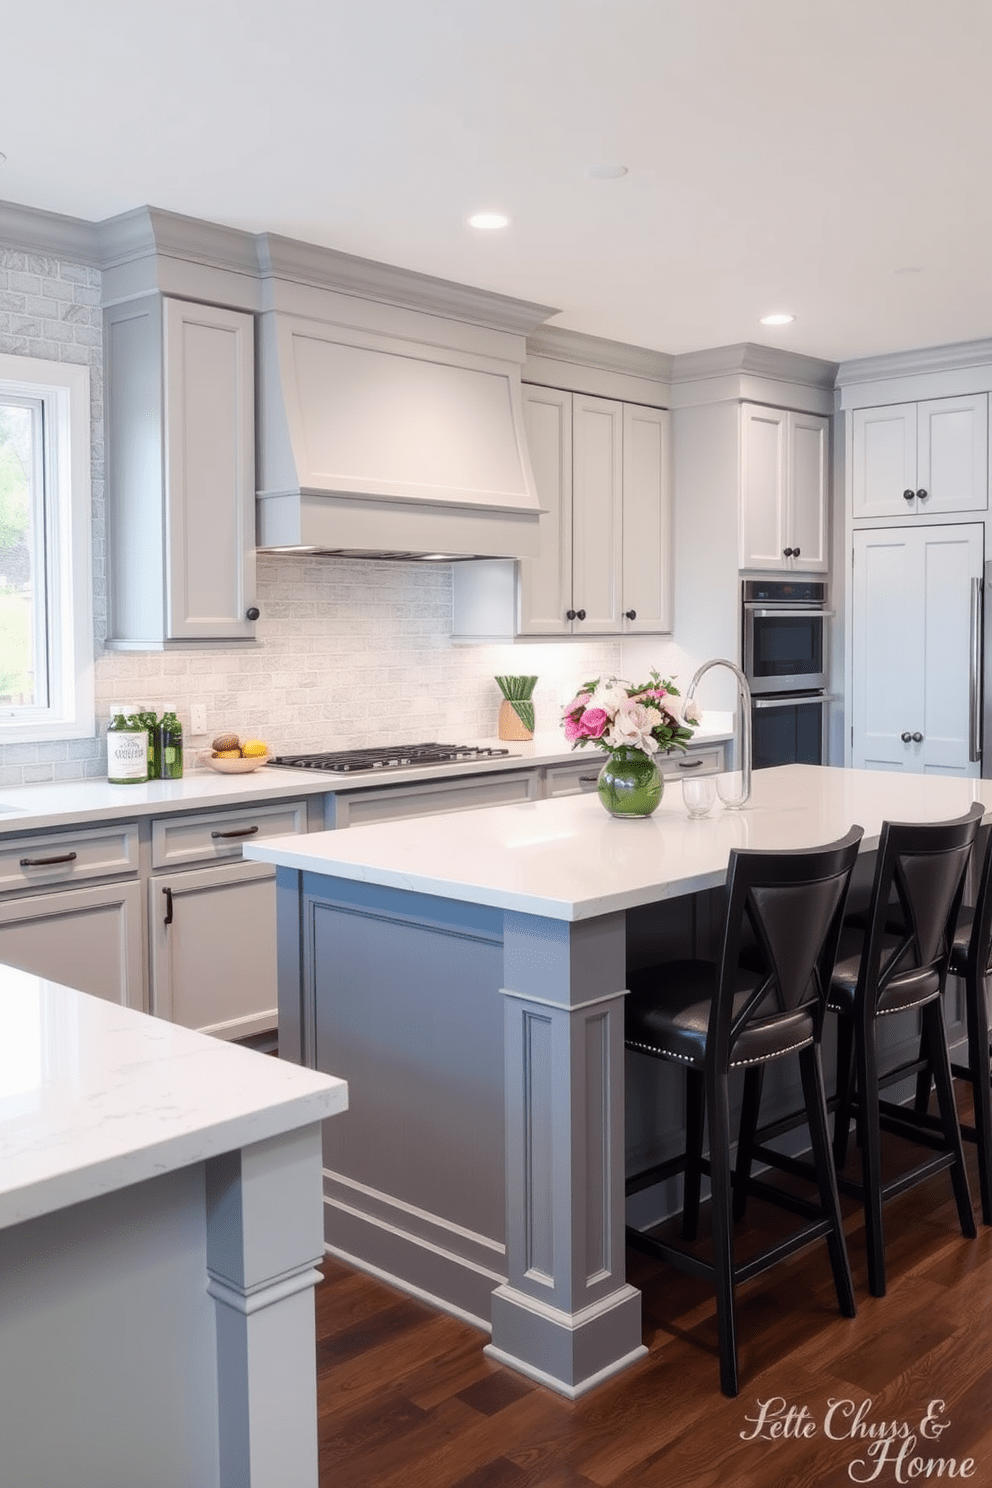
(64, 390)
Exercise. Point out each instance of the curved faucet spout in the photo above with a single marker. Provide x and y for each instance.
(744, 709)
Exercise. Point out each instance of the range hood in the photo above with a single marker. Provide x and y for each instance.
(401, 436)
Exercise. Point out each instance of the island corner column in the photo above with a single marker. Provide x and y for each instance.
(565, 1315)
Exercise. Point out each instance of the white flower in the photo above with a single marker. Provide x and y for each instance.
(609, 695)
(692, 713)
(632, 727)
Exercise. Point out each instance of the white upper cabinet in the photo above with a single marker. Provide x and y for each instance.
(602, 472)
(180, 465)
(912, 459)
(783, 518)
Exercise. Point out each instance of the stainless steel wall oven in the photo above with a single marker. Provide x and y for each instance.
(785, 644)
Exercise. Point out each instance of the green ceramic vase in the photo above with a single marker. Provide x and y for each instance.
(630, 783)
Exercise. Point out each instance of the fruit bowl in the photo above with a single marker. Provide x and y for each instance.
(237, 766)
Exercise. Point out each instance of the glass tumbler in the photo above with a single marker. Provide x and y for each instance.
(699, 793)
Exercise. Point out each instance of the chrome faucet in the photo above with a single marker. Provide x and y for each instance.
(743, 708)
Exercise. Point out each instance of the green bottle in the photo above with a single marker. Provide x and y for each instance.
(127, 748)
(170, 744)
(146, 717)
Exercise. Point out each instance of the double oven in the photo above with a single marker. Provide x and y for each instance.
(785, 633)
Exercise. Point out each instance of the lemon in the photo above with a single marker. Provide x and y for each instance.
(253, 748)
(227, 754)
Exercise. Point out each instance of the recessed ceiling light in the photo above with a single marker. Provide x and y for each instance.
(778, 318)
(488, 221)
(606, 172)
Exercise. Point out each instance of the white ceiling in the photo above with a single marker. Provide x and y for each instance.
(830, 159)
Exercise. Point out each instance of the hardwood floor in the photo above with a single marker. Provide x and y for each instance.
(407, 1399)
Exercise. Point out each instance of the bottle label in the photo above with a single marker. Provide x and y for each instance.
(170, 755)
(127, 756)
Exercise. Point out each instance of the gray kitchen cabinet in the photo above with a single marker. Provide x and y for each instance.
(581, 774)
(70, 909)
(915, 459)
(212, 949)
(915, 702)
(429, 798)
(180, 473)
(784, 491)
(602, 471)
(88, 938)
(211, 918)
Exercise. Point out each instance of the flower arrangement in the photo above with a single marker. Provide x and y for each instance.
(613, 714)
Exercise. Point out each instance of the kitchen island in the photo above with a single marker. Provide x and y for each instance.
(159, 1232)
(466, 975)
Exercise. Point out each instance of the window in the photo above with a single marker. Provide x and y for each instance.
(46, 610)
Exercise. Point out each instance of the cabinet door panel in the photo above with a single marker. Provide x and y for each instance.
(952, 462)
(884, 450)
(912, 617)
(597, 473)
(546, 581)
(763, 488)
(950, 558)
(807, 526)
(209, 371)
(647, 521)
(885, 649)
(87, 938)
(214, 967)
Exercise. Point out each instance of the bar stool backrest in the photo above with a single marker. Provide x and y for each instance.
(792, 904)
(921, 869)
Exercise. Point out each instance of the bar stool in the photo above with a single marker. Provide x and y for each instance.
(971, 959)
(897, 962)
(713, 1018)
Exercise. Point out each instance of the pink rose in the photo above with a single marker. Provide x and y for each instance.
(578, 702)
(592, 724)
(573, 729)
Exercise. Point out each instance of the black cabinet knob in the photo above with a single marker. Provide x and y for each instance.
(252, 612)
(580, 614)
(786, 552)
(906, 737)
(569, 614)
(922, 495)
(909, 495)
(630, 614)
(917, 738)
(796, 552)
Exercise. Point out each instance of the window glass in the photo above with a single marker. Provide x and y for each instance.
(23, 579)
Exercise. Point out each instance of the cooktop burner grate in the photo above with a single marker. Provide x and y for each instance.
(388, 757)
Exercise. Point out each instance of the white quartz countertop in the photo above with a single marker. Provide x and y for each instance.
(95, 1097)
(567, 859)
(42, 807)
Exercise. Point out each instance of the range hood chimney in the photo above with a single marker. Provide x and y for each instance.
(390, 427)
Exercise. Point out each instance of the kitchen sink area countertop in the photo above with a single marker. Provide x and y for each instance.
(56, 804)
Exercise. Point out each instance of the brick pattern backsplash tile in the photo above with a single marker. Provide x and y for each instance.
(348, 653)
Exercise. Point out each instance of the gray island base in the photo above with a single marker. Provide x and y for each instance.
(465, 974)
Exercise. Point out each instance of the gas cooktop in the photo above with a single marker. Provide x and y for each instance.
(389, 757)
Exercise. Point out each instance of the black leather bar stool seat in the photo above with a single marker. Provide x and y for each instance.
(715, 1018)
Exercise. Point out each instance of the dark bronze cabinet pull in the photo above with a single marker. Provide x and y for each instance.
(237, 832)
(168, 905)
(690, 764)
(68, 857)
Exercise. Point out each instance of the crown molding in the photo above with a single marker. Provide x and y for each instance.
(953, 358)
(558, 344)
(150, 230)
(31, 230)
(327, 268)
(750, 359)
